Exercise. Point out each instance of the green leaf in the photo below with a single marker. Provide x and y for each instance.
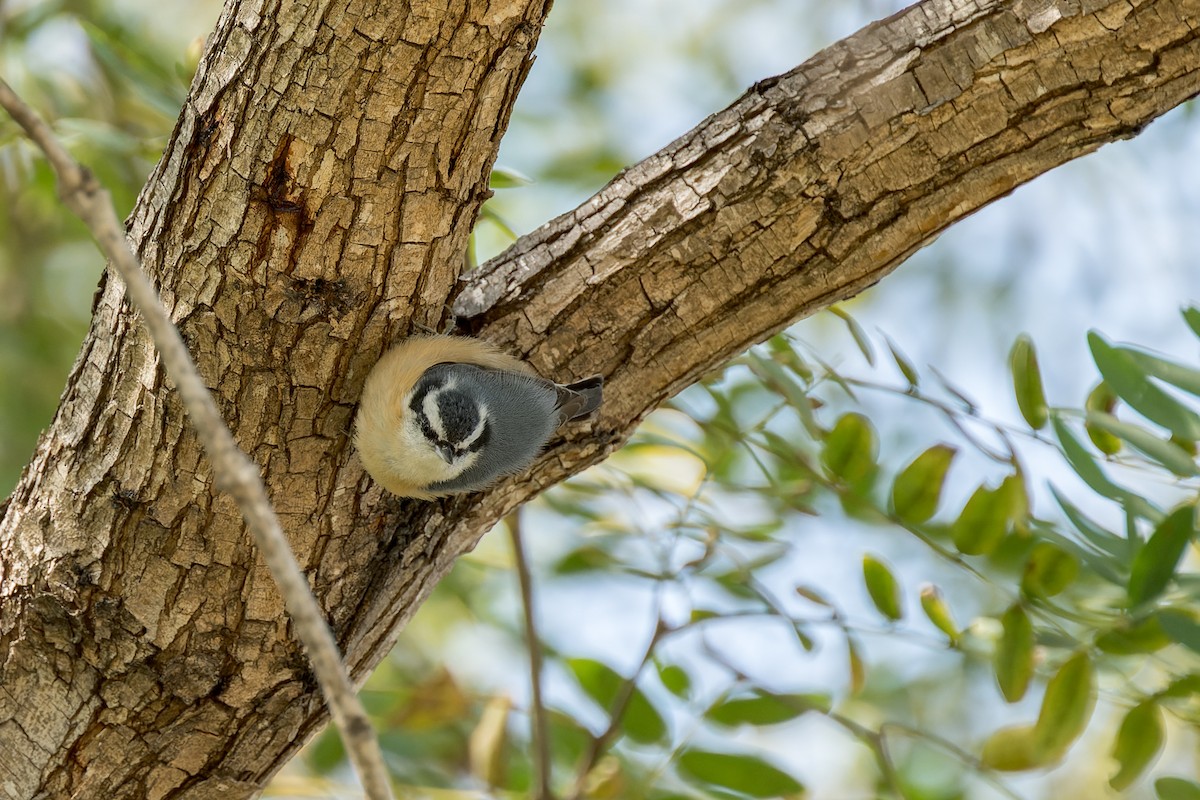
(783, 352)
(851, 450)
(906, 367)
(1184, 377)
(778, 380)
(1133, 637)
(1085, 467)
(1048, 570)
(1084, 463)
(1027, 382)
(985, 518)
(882, 586)
(858, 668)
(1066, 706)
(325, 754)
(918, 487)
(938, 612)
(1165, 452)
(1013, 659)
(1177, 788)
(1133, 385)
(813, 596)
(507, 178)
(1191, 315)
(588, 558)
(1181, 627)
(1155, 563)
(1138, 743)
(764, 708)
(601, 683)
(1011, 749)
(641, 720)
(856, 332)
(1186, 686)
(1116, 546)
(676, 680)
(1102, 398)
(747, 774)
(488, 213)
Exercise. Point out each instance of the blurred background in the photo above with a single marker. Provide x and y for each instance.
(802, 652)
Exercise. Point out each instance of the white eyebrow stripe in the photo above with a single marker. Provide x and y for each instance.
(430, 409)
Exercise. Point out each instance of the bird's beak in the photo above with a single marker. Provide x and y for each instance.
(446, 452)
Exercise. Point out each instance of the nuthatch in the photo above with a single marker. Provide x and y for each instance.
(446, 414)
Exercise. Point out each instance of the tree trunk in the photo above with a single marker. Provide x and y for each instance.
(314, 203)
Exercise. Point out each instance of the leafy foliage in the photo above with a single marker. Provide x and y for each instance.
(705, 515)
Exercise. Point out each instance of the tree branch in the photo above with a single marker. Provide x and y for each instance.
(235, 472)
(315, 200)
(817, 183)
(537, 711)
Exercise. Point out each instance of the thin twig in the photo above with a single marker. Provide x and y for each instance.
(233, 470)
(537, 714)
(620, 704)
(873, 740)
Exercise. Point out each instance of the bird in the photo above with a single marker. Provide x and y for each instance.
(443, 415)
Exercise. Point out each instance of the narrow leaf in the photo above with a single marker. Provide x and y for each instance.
(1177, 788)
(1181, 627)
(779, 381)
(1066, 706)
(1138, 636)
(1186, 686)
(1048, 570)
(1165, 452)
(857, 333)
(1133, 385)
(918, 487)
(1085, 467)
(1102, 398)
(1117, 547)
(508, 178)
(764, 708)
(813, 596)
(1139, 741)
(938, 612)
(1013, 659)
(1191, 315)
(1027, 382)
(1155, 563)
(1011, 749)
(1176, 374)
(739, 773)
(858, 669)
(1084, 464)
(906, 367)
(882, 587)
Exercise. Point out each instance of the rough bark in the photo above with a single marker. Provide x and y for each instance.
(315, 199)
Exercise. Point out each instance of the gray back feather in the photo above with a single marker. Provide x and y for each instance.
(522, 416)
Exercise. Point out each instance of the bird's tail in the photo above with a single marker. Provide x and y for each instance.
(581, 398)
